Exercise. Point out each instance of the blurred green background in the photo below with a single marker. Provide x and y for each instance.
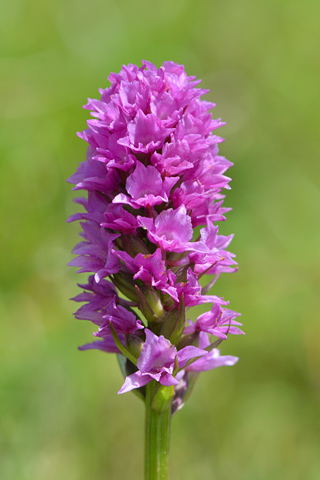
(60, 415)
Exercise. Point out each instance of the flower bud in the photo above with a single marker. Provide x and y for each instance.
(123, 281)
(145, 307)
(138, 245)
(154, 302)
(173, 323)
(134, 344)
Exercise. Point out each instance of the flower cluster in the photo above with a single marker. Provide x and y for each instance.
(154, 177)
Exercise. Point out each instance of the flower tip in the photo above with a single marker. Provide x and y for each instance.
(232, 361)
(83, 348)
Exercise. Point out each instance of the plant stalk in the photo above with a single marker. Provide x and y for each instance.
(157, 436)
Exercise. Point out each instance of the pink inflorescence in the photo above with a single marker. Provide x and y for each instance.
(153, 175)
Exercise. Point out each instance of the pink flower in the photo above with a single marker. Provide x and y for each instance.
(156, 362)
(153, 174)
(212, 360)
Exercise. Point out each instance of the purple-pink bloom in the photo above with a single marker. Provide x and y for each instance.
(174, 159)
(191, 290)
(171, 230)
(95, 253)
(145, 133)
(156, 362)
(122, 320)
(150, 269)
(105, 345)
(146, 187)
(219, 322)
(117, 218)
(98, 296)
(212, 360)
(153, 174)
(215, 259)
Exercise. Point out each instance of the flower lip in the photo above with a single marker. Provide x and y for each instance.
(146, 187)
(171, 230)
(145, 133)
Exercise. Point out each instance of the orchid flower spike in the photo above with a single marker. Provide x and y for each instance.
(154, 181)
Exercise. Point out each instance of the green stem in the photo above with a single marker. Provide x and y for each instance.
(157, 435)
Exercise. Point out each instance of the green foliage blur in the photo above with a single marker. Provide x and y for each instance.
(61, 417)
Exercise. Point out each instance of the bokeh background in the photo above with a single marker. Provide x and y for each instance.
(60, 415)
